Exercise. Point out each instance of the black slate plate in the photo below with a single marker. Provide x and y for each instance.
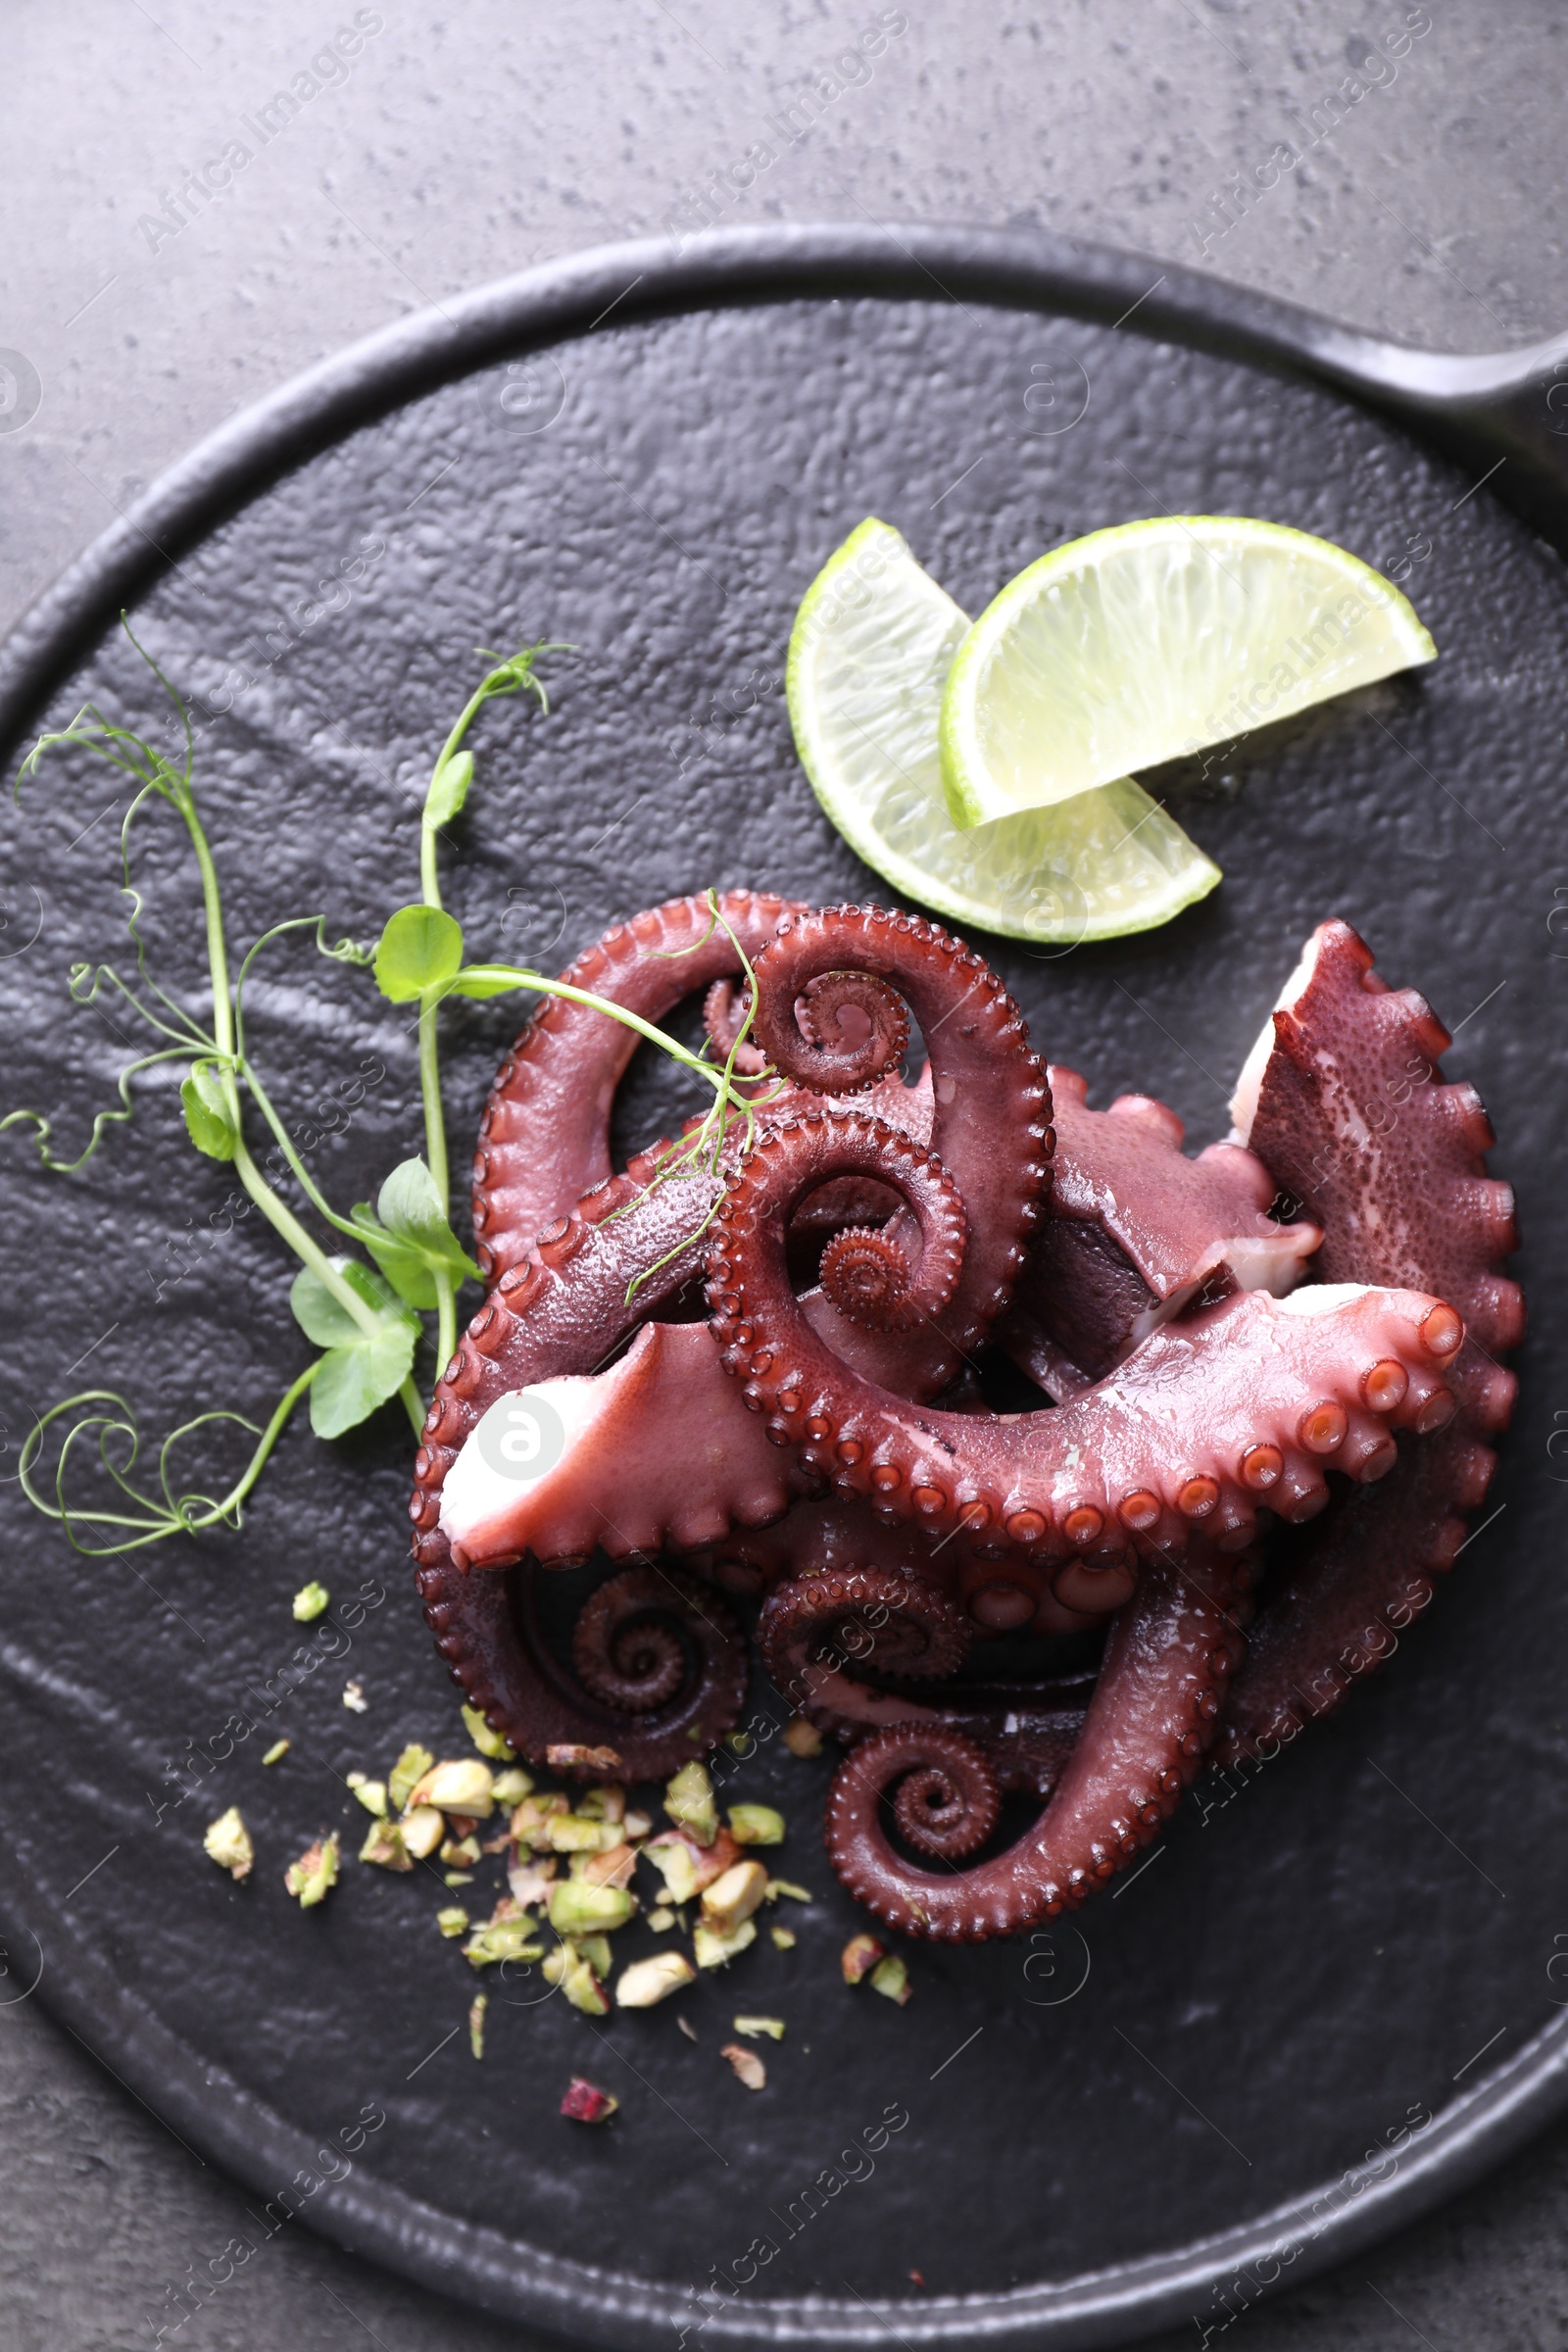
(1330, 1996)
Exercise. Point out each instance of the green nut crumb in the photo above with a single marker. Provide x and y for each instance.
(783, 1939)
(756, 1825)
(502, 1939)
(228, 1841)
(512, 1787)
(489, 1742)
(370, 1793)
(310, 1600)
(477, 2009)
(772, 2026)
(315, 1873)
(689, 1802)
(891, 1979)
(410, 1768)
(277, 1753)
(452, 1920)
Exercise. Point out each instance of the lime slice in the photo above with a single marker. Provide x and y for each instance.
(869, 654)
(1141, 643)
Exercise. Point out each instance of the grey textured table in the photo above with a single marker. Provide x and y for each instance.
(459, 147)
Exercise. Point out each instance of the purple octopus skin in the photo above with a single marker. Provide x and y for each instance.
(1344, 1097)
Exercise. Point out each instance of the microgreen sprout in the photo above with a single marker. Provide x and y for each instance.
(366, 1319)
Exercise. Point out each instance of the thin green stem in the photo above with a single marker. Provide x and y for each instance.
(496, 979)
(283, 1221)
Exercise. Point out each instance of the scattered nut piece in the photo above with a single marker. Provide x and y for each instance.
(612, 1868)
(529, 1882)
(689, 1802)
(409, 1767)
(734, 1897)
(277, 1753)
(604, 1801)
(354, 1698)
(228, 1841)
(778, 1887)
(491, 1743)
(423, 1829)
(578, 1979)
(649, 1981)
(578, 1909)
(687, 1867)
(386, 1844)
(687, 2027)
(860, 1956)
(586, 2103)
(636, 1825)
(891, 1978)
(803, 1738)
(456, 1878)
(310, 1600)
(502, 1939)
(783, 1939)
(739, 1743)
(756, 1825)
(711, 1949)
(511, 1786)
(528, 1819)
(772, 2026)
(313, 1873)
(576, 1834)
(594, 1950)
(662, 1918)
(452, 1920)
(747, 2064)
(570, 1756)
(477, 2009)
(370, 1793)
(460, 1853)
(463, 1786)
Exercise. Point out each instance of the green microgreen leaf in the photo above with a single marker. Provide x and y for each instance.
(422, 948)
(409, 1237)
(449, 789)
(360, 1369)
(208, 1119)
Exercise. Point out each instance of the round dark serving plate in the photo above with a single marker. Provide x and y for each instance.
(1330, 1997)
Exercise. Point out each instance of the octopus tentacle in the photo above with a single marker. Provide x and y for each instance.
(544, 1138)
(1152, 1717)
(1135, 1233)
(861, 1621)
(1343, 1096)
(834, 994)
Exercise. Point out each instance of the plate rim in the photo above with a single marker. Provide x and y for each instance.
(1118, 2303)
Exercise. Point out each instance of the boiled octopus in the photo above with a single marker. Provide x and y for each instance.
(978, 1361)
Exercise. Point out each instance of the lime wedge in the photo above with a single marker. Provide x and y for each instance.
(1144, 641)
(869, 654)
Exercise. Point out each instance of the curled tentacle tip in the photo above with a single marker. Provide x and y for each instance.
(865, 1276)
(724, 1008)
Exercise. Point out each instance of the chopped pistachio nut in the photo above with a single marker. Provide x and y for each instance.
(803, 1738)
(452, 1920)
(772, 2026)
(749, 2068)
(354, 1698)
(586, 2103)
(386, 1844)
(370, 1793)
(456, 1878)
(783, 1939)
(463, 1786)
(660, 1919)
(739, 1743)
(686, 1867)
(477, 2009)
(860, 1956)
(489, 1742)
(734, 1897)
(689, 1802)
(315, 1872)
(713, 1950)
(636, 1825)
(612, 1868)
(568, 1755)
(409, 1767)
(649, 1981)
(502, 1939)
(594, 1950)
(756, 1825)
(310, 1600)
(460, 1853)
(576, 1834)
(511, 1786)
(578, 1909)
(277, 1753)
(574, 1977)
(606, 1801)
(687, 2027)
(891, 1979)
(228, 1841)
(423, 1829)
(778, 1887)
(528, 1817)
(529, 1882)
